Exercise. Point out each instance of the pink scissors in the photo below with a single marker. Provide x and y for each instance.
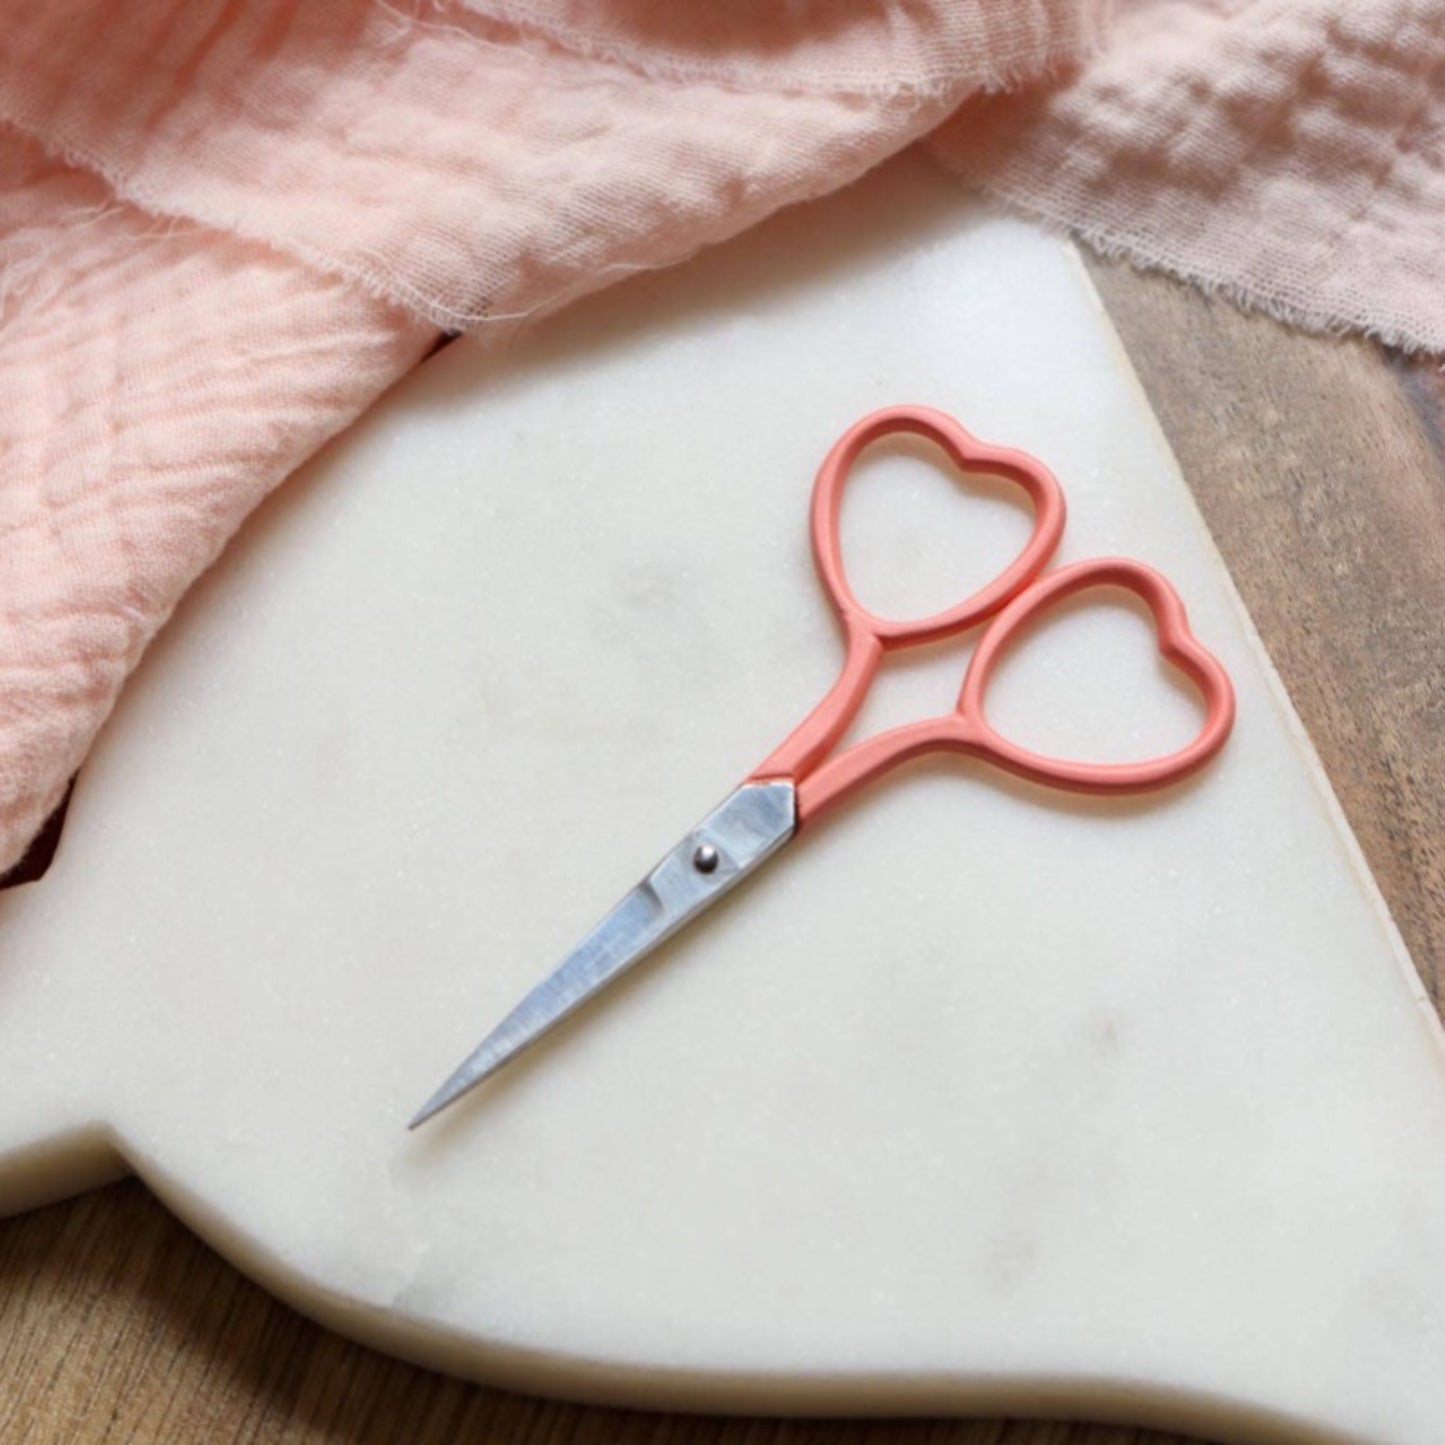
(800, 780)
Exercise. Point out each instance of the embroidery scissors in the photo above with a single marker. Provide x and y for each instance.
(800, 781)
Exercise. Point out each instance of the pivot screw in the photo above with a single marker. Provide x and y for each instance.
(705, 859)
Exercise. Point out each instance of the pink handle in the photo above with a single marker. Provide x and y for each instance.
(967, 730)
(867, 635)
(968, 454)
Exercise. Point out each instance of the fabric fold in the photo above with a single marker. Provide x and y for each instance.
(470, 171)
(1287, 153)
(158, 381)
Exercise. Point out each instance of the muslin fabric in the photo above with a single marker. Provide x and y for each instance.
(226, 226)
(157, 379)
(470, 171)
(1287, 153)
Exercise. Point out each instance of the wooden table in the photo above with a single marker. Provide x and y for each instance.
(1320, 466)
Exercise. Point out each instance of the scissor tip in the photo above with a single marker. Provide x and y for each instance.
(433, 1106)
(477, 1066)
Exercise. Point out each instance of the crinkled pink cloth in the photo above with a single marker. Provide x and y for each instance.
(227, 225)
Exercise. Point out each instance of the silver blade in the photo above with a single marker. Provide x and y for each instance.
(753, 823)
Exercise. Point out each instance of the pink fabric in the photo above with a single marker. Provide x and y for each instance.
(470, 171)
(1289, 153)
(226, 226)
(157, 381)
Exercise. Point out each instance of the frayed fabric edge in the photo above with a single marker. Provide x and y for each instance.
(1428, 342)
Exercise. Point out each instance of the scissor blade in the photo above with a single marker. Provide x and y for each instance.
(741, 833)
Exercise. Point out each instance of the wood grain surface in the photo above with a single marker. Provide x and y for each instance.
(1320, 466)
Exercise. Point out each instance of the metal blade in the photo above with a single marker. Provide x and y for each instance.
(744, 831)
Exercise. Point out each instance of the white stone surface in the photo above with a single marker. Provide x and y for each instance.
(980, 1097)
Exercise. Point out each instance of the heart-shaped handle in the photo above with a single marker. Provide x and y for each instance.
(968, 730)
(1176, 643)
(968, 454)
(868, 636)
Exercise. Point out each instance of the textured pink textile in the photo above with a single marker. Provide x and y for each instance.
(471, 172)
(1290, 153)
(157, 381)
(227, 225)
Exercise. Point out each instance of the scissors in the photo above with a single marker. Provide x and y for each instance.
(803, 778)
